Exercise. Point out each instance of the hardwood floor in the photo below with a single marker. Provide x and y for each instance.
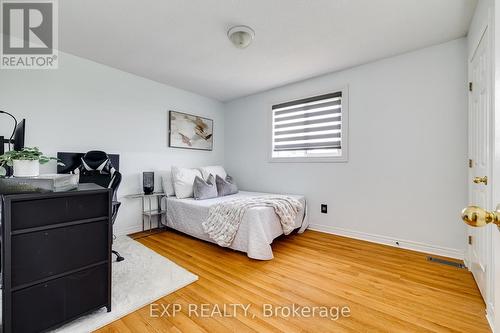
(386, 289)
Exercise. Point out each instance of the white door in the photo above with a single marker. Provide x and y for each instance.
(480, 161)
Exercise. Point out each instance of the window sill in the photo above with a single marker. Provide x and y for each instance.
(331, 159)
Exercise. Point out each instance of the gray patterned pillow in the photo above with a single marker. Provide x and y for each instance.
(225, 186)
(204, 189)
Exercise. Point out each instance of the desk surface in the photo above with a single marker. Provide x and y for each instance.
(88, 187)
(81, 188)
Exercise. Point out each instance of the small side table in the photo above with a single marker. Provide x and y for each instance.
(150, 212)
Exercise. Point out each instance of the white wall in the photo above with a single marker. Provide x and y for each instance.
(406, 176)
(84, 105)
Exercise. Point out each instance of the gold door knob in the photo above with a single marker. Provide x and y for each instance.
(479, 217)
(479, 180)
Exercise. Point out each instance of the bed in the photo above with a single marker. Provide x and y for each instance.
(259, 227)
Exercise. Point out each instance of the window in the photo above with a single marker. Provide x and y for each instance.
(311, 129)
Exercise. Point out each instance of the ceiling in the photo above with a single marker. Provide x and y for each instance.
(183, 43)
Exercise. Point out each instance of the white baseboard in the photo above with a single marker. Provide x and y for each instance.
(490, 315)
(404, 244)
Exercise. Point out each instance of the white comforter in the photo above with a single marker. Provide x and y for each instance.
(259, 227)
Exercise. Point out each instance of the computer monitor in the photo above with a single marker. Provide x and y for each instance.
(19, 135)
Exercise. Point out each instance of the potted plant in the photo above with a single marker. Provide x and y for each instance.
(26, 162)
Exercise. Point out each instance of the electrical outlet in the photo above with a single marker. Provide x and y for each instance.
(324, 208)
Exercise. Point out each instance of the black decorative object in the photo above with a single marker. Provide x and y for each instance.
(148, 182)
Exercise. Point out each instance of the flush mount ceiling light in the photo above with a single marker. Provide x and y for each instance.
(241, 36)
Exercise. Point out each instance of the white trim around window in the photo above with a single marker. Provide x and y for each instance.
(306, 156)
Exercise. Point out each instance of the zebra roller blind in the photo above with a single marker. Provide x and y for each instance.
(313, 123)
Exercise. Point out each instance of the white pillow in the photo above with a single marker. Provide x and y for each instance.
(216, 170)
(183, 179)
(168, 184)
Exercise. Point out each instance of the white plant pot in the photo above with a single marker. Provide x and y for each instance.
(26, 168)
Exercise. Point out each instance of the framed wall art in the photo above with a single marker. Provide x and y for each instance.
(189, 131)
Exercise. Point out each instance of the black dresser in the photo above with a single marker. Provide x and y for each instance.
(56, 257)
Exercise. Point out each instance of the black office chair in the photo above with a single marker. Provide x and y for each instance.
(96, 167)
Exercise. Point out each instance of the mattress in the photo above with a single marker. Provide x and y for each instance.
(258, 228)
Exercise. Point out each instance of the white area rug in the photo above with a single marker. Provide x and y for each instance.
(142, 278)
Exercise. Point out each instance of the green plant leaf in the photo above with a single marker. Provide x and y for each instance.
(27, 154)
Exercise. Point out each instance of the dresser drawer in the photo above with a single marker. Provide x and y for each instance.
(43, 212)
(42, 306)
(38, 255)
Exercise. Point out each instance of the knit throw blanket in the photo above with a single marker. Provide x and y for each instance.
(224, 219)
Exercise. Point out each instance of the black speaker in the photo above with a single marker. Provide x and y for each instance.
(148, 182)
